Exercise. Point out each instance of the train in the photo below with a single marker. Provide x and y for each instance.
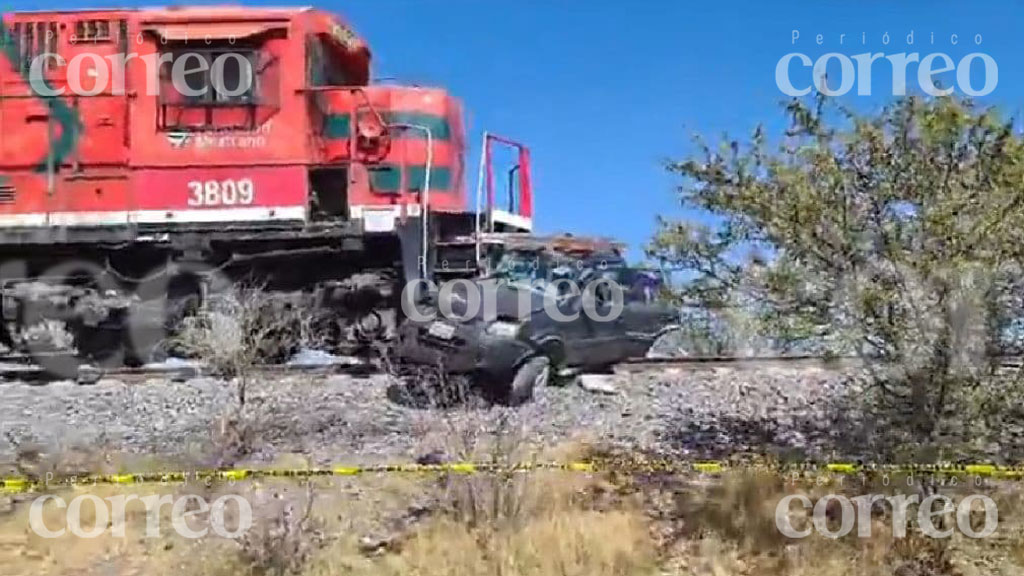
(153, 158)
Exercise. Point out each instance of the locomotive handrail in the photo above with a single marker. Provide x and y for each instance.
(485, 180)
(479, 196)
(366, 99)
(361, 90)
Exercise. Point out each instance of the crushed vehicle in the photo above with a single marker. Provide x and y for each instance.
(544, 307)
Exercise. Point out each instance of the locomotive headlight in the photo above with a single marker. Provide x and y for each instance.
(503, 329)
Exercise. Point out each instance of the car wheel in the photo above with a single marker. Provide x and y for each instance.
(531, 374)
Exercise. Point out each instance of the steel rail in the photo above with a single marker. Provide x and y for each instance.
(22, 368)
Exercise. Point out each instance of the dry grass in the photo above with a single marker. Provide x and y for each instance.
(543, 524)
(572, 543)
(22, 552)
(727, 528)
(549, 530)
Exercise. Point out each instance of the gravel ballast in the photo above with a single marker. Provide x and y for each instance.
(337, 418)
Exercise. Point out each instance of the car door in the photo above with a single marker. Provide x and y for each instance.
(604, 314)
(623, 316)
(562, 318)
(644, 315)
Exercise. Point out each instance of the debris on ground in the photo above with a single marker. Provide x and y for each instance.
(598, 383)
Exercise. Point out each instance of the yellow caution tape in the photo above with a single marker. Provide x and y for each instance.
(708, 467)
(21, 484)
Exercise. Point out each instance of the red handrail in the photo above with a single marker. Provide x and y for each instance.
(525, 203)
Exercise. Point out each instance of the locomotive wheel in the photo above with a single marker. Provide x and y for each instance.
(100, 347)
(95, 347)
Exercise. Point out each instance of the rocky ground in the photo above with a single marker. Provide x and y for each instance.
(375, 521)
(707, 412)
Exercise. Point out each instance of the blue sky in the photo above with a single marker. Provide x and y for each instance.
(604, 92)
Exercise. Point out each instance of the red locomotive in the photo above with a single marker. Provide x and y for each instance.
(156, 155)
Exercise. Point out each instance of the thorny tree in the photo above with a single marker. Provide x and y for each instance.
(239, 331)
(898, 236)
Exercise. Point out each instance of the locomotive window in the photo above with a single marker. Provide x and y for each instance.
(92, 31)
(223, 86)
(323, 65)
(207, 77)
(197, 81)
(30, 40)
(237, 79)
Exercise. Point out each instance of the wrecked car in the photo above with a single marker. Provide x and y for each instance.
(544, 310)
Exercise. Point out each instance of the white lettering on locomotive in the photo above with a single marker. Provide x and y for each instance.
(221, 192)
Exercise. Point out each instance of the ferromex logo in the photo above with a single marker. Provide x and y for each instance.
(835, 73)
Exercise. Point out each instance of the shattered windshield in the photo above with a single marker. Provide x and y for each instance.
(522, 267)
(541, 270)
(537, 268)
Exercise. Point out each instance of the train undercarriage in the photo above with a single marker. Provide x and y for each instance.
(110, 300)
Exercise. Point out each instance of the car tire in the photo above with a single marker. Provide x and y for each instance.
(533, 373)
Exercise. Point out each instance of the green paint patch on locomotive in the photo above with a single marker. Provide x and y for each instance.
(66, 117)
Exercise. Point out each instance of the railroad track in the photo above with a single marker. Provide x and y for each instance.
(760, 362)
(24, 368)
(738, 362)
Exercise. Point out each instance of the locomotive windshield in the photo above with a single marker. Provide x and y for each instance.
(336, 58)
